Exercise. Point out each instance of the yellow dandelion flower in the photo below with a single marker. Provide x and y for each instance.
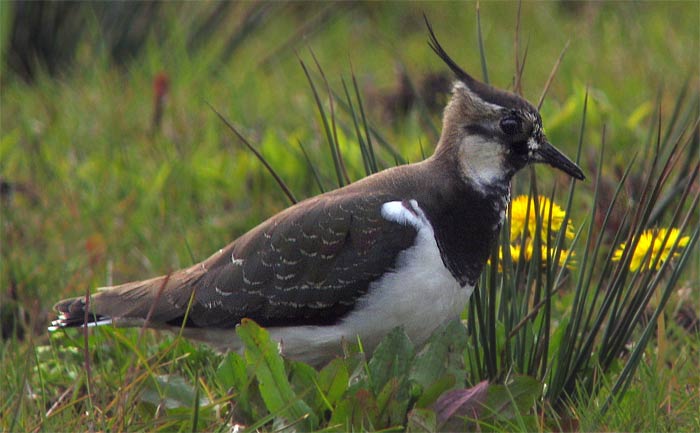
(564, 255)
(514, 255)
(518, 254)
(652, 240)
(522, 220)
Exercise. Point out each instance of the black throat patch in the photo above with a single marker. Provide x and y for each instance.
(465, 230)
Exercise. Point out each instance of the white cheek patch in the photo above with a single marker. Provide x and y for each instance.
(482, 162)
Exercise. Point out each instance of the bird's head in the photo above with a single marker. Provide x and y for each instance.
(492, 133)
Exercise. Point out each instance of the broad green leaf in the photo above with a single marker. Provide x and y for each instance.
(430, 394)
(392, 401)
(392, 358)
(231, 371)
(442, 353)
(172, 392)
(421, 420)
(513, 399)
(357, 412)
(303, 379)
(262, 353)
(333, 381)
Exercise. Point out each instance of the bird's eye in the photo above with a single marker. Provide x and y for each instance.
(511, 125)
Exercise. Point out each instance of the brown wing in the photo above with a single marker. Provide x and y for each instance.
(307, 265)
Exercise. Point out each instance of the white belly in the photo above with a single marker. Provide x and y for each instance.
(419, 296)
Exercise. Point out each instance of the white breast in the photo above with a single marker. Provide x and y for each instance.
(419, 296)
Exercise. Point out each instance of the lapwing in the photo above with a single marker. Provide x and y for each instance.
(401, 248)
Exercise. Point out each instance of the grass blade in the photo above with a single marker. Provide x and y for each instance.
(482, 51)
(326, 127)
(312, 167)
(552, 74)
(335, 144)
(366, 159)
(365, 124)
(258, 155)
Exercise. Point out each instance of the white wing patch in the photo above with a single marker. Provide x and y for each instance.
(405, 213)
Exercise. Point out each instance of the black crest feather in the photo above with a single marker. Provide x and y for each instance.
(435, 45)
(485, 91)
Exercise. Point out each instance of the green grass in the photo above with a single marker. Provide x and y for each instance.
(101, 200)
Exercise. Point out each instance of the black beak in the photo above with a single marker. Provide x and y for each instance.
(548, 154)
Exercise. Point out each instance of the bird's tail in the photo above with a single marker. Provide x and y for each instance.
(157, 301)
(72, 314)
